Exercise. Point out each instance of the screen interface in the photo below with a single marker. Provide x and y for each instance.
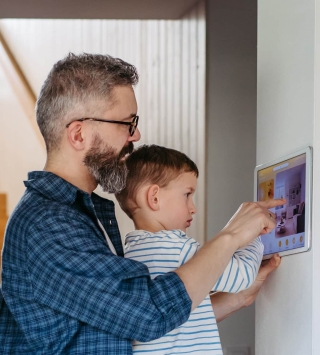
(285, 180)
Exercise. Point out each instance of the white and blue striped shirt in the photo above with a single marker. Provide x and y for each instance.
(165, 251)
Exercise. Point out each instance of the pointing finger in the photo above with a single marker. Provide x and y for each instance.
(272, 203)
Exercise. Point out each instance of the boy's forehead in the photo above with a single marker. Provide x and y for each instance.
(187, 179)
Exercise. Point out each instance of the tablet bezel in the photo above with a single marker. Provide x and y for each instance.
(308, 196)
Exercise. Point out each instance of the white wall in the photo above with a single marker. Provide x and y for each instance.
(170, 58)
(316, 194)
(231, 131)
(285, 318)
(20, 150)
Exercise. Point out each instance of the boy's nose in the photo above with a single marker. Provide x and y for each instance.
(193, 209)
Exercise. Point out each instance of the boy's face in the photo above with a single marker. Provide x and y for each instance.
(176, 202)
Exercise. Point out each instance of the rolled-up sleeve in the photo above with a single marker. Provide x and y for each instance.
(73, 272)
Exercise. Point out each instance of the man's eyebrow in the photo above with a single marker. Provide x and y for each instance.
(130, 116)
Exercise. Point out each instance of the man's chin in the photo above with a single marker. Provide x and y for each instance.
(113, 180)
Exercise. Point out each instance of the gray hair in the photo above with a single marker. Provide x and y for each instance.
(79, 86)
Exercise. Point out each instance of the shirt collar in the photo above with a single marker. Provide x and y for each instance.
(53, 187)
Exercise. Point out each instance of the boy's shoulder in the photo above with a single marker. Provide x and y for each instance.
(169, 236)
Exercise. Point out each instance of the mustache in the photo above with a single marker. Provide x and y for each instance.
(126, 150)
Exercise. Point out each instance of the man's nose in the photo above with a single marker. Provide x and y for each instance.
(136, 136)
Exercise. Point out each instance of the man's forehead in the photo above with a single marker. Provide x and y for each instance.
(121, 95)
(120, 91)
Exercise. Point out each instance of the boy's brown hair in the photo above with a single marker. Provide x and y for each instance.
(152, 164)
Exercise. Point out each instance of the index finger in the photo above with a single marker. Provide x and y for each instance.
(272, 203)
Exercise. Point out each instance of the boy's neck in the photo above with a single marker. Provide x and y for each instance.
(147, 223)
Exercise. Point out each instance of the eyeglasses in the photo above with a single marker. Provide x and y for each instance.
(132, 125)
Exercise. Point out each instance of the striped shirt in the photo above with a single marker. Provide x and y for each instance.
(165, 251)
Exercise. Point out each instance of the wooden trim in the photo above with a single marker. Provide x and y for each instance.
(20, 85)
(3, 222)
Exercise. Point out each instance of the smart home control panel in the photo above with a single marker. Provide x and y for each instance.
(289, 177)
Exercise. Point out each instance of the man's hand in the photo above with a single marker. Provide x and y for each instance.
(225, 304)
(251, 220)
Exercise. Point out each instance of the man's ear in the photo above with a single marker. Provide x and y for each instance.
(76, 135)
(153, 197)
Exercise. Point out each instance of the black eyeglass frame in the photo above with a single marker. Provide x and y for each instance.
(133, 124)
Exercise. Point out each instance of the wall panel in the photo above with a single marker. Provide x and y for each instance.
(286, 122)
(170, 57)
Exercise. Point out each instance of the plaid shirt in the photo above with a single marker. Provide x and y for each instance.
(64, 292)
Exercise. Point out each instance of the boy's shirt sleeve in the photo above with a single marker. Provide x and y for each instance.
(242, 269)
(188, 250)
(240, 272)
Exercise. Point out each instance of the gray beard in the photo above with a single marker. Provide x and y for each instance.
(106, 166)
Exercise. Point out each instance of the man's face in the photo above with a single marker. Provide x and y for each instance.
(111, 142)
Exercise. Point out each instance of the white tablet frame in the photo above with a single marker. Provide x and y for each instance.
(308, 196)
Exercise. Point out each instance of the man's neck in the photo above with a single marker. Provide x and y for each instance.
(76, 174)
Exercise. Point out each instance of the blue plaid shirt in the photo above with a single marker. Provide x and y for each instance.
(64, 292)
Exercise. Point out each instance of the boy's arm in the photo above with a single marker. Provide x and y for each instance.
(224, 304)
(189, 249)
(242, 269)
(251, 220)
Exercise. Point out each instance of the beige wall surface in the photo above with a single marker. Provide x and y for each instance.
(170, 57)
(20, 150)
(231, 133)
(286, 122)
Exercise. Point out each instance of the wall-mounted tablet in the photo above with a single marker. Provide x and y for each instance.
(288, 177)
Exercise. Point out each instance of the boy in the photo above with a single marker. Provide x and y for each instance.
(158, 197)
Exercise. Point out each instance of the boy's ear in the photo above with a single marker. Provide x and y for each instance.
(153, 197)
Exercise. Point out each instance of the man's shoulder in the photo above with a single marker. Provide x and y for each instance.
(47, 185)
(36, 206)
(36, 214)
(31, 206)
(32, 213)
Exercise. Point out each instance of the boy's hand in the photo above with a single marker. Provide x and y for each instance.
(225, 304)
(251, 220)
(267, 267)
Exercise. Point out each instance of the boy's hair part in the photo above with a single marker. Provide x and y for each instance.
(152, 164)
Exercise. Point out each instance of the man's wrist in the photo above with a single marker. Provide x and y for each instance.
(229, 240)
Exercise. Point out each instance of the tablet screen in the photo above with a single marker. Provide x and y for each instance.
(285, 179)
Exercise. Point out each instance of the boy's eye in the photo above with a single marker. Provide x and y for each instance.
(188, 194)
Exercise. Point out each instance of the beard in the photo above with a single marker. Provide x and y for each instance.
(106, 166)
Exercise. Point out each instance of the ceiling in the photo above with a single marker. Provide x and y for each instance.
(95, 9)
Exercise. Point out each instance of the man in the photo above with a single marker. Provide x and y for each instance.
(66, 287)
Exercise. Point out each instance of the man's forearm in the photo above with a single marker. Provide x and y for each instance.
(201, 272)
